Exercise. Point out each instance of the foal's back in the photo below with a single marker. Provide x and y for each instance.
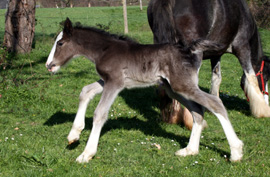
(145, 65)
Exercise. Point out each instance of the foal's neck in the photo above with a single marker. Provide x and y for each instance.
(93, 44)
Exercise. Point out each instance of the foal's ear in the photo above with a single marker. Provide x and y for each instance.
(68, 29)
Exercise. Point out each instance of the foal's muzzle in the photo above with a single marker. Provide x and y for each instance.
(50, 66)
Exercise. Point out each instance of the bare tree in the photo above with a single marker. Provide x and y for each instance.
(20, 25)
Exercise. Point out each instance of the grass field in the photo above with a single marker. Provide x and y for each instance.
(37, 110)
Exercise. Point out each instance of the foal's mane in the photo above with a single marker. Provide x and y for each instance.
(105, 33)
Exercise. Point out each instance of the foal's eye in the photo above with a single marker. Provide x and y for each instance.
(60, 43)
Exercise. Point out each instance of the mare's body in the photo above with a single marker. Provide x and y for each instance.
(226, 22)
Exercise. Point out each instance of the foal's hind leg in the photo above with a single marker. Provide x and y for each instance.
(215, 105)
(100, 116)
(216, 76)
(87, 94)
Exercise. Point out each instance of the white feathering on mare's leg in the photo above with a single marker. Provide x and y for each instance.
(266, 97)
(258, 105)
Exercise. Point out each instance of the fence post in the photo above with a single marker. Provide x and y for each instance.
(125, 15)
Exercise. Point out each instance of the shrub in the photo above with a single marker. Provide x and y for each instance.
(261, 12)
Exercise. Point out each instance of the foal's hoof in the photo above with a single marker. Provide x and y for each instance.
(73, 136)
(83, 158)
(237, 153)
(73, 141)
(185, 152)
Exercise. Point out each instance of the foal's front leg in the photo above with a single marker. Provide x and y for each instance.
(87, 94)
(100, 116)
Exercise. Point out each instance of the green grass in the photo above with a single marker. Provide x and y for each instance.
(37, 110)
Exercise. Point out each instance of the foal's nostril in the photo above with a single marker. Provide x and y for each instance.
(50, 66)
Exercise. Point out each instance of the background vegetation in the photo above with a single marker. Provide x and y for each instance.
(37, 110)
(261, 12)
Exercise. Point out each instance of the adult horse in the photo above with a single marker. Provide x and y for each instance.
(226, 22)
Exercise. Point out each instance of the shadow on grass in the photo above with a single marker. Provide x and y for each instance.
(24, 63)
(151, 128)
(144, 103)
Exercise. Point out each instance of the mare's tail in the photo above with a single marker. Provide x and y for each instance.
(161, 21)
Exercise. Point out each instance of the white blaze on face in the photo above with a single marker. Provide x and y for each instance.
(51, 56)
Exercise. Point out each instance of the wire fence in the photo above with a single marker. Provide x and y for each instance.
(86, 3)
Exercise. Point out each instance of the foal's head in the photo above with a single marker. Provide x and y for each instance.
(63, 49)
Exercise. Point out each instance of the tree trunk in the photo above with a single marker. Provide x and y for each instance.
(20, 26)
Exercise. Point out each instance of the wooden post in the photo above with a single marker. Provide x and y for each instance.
(141, 5)
(125, 16)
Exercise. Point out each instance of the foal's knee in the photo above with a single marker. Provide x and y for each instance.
(83, 93)
(100, 117)
(220, 108)
(87, 92)
(198, 118)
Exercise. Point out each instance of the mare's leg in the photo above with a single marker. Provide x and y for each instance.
(110, 92)
(258, 106)
(216, 76)
(87, 94)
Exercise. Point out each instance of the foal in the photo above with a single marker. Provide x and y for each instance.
(123, 63)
